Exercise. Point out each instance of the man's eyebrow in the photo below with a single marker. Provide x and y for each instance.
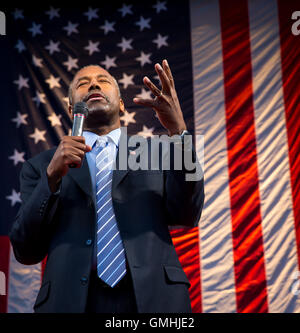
(88, 78)
(83, 78)
(102, 75)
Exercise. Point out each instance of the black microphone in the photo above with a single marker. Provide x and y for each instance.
(80, 112)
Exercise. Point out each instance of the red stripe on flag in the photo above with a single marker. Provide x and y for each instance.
(43, 266)
(250, 277)
(186, 242)
(4, 267)
(290, 63)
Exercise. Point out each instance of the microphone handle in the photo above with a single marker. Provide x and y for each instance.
(77, 130)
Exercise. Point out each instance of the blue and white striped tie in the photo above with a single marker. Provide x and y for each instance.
(111, 265)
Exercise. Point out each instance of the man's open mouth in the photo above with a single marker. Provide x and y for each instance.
(95, 97)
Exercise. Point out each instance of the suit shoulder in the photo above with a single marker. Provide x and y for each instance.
(42, 157)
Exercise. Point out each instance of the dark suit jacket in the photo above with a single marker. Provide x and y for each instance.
(62, 226)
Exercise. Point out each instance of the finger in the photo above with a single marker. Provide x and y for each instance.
(167, 70)
(74, 151)
(88, 148)
(165, 82)
(73, 159)
(77, 138)
(144, 101)
(75, 144)
(76, 141)
(151, 86)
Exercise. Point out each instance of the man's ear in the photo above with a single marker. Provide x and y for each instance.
(122, 108)
(70, 108)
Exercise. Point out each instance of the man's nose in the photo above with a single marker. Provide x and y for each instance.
(94, 85)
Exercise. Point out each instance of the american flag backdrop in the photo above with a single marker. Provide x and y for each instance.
(236, 66)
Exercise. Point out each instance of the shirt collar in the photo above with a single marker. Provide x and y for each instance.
(91, 138)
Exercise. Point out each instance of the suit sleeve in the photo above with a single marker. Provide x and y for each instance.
(184, 189)
(31, 230)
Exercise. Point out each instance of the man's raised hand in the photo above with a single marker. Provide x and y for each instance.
(165, 103)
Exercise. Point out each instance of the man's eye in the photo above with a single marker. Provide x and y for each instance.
(81, 84)
(103, 81)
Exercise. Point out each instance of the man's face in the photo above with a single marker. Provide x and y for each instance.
(96, 87)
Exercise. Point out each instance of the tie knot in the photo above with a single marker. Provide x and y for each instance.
(101, 142)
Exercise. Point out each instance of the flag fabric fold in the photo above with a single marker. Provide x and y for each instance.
(236, 66)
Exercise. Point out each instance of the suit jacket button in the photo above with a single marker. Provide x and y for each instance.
(88, 242)
(83, 280)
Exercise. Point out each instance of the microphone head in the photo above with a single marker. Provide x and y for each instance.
(81, 108)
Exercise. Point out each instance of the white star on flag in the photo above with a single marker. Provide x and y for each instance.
(109, 62)
(53, 82)
(146, 132)
(18, 14)
(17, 157)
(92, 47)
(38, 135)
(107, 27)
(125, 44)
(53, 12)
(91, 13)
(128, 117)
(52, 47)
(22, 82)
(143, 23)
(160, 6)
(39, 98)
(126, 80)
(144, 58)
(145, 94)
(71, 63)
(126, 9)
(20, 119)
(54, 119)
(160, 41)
(20, 46)
(35, 29)
(71, 28)
(14, 197)
(37, 61)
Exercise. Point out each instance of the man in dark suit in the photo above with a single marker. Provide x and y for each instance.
(62, 215)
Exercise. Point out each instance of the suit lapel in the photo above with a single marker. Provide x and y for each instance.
(124, 151)
(82, 177)
(120, 171)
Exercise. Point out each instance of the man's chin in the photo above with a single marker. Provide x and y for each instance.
(96, 104)
(100, 113)
(97, 107)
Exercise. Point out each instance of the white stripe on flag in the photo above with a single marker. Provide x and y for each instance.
(23, 285)
(217, 268)
(273, 160)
